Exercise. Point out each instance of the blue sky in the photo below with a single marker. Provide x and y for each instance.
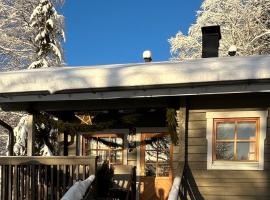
(118, 31)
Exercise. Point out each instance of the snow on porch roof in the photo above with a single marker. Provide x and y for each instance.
(160, 74)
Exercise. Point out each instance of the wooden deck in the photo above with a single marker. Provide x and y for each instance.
(41, 177)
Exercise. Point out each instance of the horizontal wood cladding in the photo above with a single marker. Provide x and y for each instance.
(223, 184)
(233, 197)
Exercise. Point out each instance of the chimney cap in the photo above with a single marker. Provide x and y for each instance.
(147, 56)
(211, 30)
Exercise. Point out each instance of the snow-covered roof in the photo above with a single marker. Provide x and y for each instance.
(161, 74)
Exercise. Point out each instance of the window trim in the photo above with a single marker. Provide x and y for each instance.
(236, 165)
(235, 140)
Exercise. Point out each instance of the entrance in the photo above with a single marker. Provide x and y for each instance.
(156, 174)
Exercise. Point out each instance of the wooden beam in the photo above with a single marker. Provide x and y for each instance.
(31, 136)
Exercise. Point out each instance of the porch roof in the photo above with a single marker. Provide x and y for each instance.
(191, 77)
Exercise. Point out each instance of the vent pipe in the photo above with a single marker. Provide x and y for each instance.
(210, 41)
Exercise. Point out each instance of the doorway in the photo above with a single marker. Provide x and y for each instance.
(156, 168)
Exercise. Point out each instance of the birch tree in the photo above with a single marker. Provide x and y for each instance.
(244, 23)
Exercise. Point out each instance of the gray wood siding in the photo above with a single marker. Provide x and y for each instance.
(223, 184)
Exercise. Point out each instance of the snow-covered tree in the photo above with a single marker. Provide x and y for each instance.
(244, 23)
(49, 34)
(19, 49)
(17, 39)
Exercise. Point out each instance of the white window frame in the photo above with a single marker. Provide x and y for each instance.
(236, 165)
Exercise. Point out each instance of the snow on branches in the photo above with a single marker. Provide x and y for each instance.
(244, 23)
(49, 34)
(18, 48)
(20, 133)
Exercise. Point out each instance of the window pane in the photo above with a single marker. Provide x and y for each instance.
(164, 157)
(150, 156)
(246, 151)
(91, 152)
(116, 143)
(164, 143)
(93, 143)
(116, 157)
(103, 155)
(163, 170)
(246, 130)
(151, 145)
(103, 143)
(224, 151)
(150, 169)
(225, 130)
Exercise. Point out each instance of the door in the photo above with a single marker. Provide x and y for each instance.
(156, 174)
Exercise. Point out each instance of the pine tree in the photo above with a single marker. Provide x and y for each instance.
(49, 34)
(244, 23)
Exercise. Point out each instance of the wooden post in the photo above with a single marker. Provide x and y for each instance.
(182, 130)
(65, 144)
(78, 146)
(182, 122)
(31, 136)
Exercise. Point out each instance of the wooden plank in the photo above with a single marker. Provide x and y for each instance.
(46, 183)
(27, 181)
(197, 149)
(52, 182)
(3, 182)
(234, 197)
(64, 178)
(222, 174)
(195, 125)
(235, 191)
(10, 179)
(52, 160)
(15, 183)
(231, 183)
(58, 168)
(199, 133)
(197, 116)
(197, 165)
(39, 182)
(197, 141)
(33, 182)
(197, 157)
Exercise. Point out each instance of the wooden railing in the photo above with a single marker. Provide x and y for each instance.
(41, 178)
(188, 188)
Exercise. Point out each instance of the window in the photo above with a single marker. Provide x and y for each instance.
(156, 155)
(236, 140)
(106, 146)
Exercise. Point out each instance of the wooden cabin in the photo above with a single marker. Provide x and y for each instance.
(222, 114)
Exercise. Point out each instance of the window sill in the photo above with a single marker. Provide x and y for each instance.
(234, 165)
